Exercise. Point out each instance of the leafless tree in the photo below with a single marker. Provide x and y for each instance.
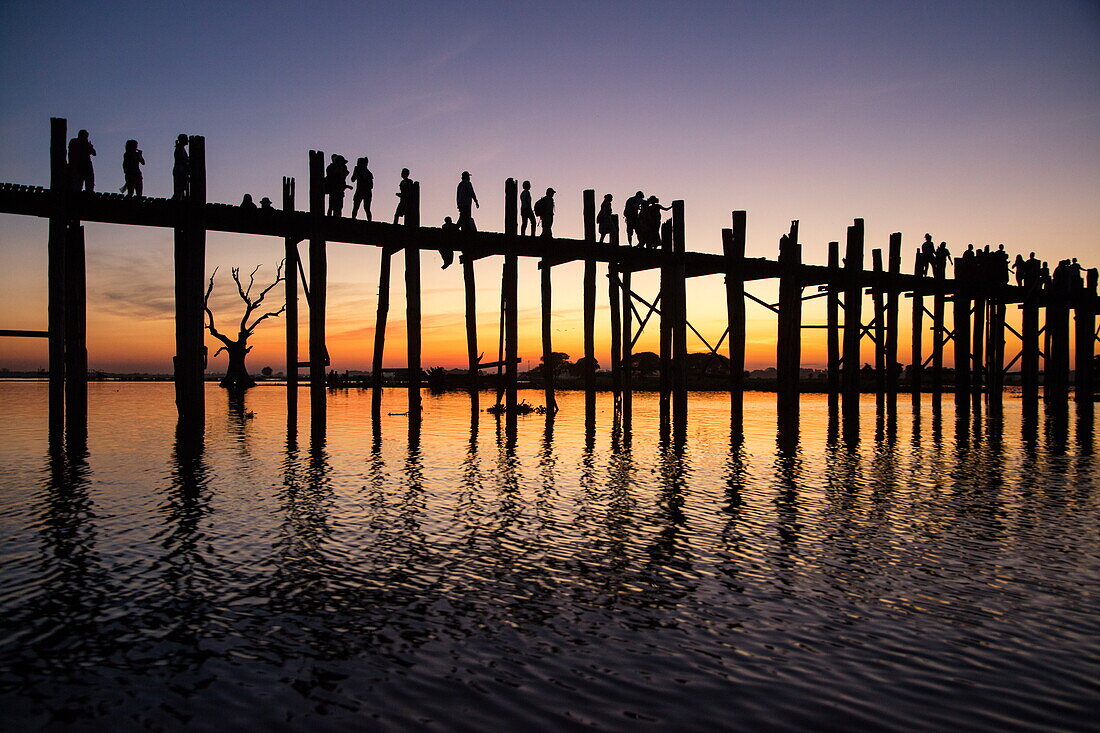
(236, 375)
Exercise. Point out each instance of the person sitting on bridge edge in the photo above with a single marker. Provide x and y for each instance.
(404, 193)
(605, 219)
(336, 183)
(450, 231)
(181, 169)
(544, 210)
(630, 215)
(132, 160)
(248, 203)
(81, 152)
(464, 197)
(526, 213)
(364, 188)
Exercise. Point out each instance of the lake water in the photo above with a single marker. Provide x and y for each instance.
(934, 574)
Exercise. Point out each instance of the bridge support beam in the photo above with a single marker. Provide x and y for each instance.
(961, 343)
(893, 372)
(616, 323)
(190, 273)
(1085, 347)
(412, 307)
(56, 248)
(733, 247)
(1029, 357)
(76, 347)
(290, 294)
(878, 301)
(788, 354)
(511, 306)
(679, 324)
(916, 358)
(318, 295)
(853, 314)
(589, 285)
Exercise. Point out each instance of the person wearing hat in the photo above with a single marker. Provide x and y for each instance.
(649, 222)
(544, 210)
(336, 183)
(464, 197)
(181, 169)
(265, 204)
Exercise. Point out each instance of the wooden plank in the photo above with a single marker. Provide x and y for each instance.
(14, 332)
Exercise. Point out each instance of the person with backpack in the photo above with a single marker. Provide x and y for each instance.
(544, 210)
(631, 214)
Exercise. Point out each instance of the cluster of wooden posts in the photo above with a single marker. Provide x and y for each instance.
(977, 336)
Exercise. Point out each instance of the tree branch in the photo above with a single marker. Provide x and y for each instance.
(210, 315)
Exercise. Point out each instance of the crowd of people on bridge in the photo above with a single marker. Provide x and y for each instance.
(984, 267)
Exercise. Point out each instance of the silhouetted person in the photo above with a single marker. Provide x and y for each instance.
(631, 212)
(526, 213)
(336, 183)
(132, 160)
(1076, 282)
(181, 169)
(248, 203)
(1032, 270)
(404, 193)
(943, 257)
(364, 188)
(967, 268)
(265, 204)
(927, 255)
(465, 197)
(1020, 266)
(450, 229)
(604, 220)
(81, 152)
(1045, 280)
(1002, 264)
(544, 210)
(649, 222)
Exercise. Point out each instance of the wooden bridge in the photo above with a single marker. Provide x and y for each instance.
(977, 335)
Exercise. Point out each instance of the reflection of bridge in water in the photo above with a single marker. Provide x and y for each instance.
(977, 332)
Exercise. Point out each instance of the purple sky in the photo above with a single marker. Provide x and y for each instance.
(974, 121)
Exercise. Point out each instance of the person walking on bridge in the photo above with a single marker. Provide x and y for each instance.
(364, 188)
(604, 220)
(630, 215)
(544, 210)
(943, 257)
(81, 152)
(181, 169)
(404, 195)
(132, 160)
(927, 255)
(464, 197)
(336, 183)
(526, 213)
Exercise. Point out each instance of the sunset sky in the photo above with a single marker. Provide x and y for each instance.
(977, 121)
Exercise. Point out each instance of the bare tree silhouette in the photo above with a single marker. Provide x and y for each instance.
(236, 375)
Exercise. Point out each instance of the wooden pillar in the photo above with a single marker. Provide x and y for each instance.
(679, 324)
(318, 291)
(381, 317)
(589, 285)
(961, 342)
(76, 329)
(893, 373)
(511, 298)
(994, 349)
(733, 247)
(627, 359)
(832, 318)
(788, 354)
(853, 313)
(290, 294)
(938, 333)
(190, 272)
(667, 318)
(1056, 371)
(916, 359)
(56, 246)
(547, 336)
(1029, 357)
(880, 327)
(470, 288)
(1085, 347)
(412, 302)
(613, 295)
(977, 351)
